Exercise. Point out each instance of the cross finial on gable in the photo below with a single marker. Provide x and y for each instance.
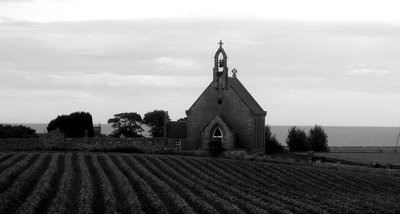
(220, 43)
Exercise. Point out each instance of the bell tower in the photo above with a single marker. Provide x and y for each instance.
(220, 71)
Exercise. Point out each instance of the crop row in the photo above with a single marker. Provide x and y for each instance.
(123, 183)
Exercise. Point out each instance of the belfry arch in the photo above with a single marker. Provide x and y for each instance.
(220, 70)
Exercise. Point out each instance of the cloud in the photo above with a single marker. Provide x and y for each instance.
(308, 10)
(5, 19)
(163, 62)
(166, 63)
(43, 94)
(143, 46)
(13, 1)
(124, 80)
(362, 69)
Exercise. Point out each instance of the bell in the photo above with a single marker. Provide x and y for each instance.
(221, 63)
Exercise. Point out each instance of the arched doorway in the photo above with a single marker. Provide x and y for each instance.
(217, 131)
(216, 143)
(217, 138)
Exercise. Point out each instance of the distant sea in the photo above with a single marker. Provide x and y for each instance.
(348, 135)
(337, 135)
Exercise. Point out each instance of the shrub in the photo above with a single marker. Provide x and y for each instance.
(297, 140)
(272, 145)
(75, 125)
(318, 139)
(8, 131)
(216, 148)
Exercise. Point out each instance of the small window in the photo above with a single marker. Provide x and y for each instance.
(219, 100)
(217, 133)
(178, 144)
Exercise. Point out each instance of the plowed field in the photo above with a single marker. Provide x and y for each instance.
(77, 182)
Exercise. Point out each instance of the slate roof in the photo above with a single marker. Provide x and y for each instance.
(246, 97)
(242, 92)
(176, 129)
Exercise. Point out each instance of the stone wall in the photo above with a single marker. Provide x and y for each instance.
(233, 111)
(83, 144)
(12, 144)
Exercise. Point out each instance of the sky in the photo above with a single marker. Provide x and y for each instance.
(332, 63)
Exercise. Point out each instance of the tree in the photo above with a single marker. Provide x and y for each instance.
(127, 124)
(272, 145)
(20, 131)
(318, 139)
(182, 119)
(155, 120)
(297, 140)
(74, 125)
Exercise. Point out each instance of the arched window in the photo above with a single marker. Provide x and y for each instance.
(217, 133)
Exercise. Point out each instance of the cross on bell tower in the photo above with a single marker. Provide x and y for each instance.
(220, 43)
(220, 71)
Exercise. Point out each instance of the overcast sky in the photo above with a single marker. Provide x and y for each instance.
(305, 62)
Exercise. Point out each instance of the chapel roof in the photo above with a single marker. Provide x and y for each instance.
(245, 96)
(242, 93)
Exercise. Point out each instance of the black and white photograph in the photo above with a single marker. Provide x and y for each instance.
(210, 106)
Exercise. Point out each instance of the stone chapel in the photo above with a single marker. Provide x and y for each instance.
(225, 111)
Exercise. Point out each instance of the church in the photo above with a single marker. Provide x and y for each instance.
(225, 111)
